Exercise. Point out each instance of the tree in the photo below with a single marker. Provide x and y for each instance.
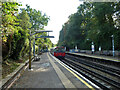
(9, 19)
(37, 20)
(20, 35)
(94, 21)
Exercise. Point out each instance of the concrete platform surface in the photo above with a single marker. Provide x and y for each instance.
(48, 73)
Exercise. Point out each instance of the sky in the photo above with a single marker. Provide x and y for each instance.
(57, 10)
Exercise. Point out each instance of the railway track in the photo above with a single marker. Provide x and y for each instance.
(104, 76)
(110, 63)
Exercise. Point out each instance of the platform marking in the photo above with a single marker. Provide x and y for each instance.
(65, 81)
(75, 74)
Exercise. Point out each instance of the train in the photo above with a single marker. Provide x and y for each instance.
(59, 52)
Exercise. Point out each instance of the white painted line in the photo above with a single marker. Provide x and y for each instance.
(65, 81)
(75, 73)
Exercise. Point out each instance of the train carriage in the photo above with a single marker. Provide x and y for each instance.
(59, 52)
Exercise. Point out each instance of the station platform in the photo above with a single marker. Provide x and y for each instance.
(116, 58)
(49, 72)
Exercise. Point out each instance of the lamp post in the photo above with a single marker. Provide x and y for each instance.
(39, 49)
(30, 34)
(76, 47)
(92, 47)
(113, 45)
(30, 50)
(34, 48)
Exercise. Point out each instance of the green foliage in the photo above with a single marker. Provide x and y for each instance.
(15, 29)
(9, 22)
(94, 21)
(9, 11)
(20, 35)
(24, 20)
(18, 43)
(37, 20)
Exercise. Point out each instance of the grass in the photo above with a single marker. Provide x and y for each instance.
(10, 65)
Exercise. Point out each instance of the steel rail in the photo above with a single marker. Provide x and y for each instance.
(98, 67)
(115, 70)
(103, 78)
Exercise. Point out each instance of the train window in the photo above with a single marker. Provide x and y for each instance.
(59, 50)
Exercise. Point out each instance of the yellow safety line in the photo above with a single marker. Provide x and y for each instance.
(77, 76)
(65, 81)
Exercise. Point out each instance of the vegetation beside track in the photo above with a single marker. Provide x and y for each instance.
(93, 23)
(10, 65)
(16, 24)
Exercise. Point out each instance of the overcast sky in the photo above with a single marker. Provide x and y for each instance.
(58, 10)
